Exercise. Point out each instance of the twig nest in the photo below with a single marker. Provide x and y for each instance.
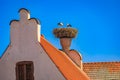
(65, 32)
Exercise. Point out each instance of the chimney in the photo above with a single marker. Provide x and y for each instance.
(65, 35)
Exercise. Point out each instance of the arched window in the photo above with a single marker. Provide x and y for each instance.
(24, 70)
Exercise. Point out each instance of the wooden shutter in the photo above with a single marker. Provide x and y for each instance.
(24, 70)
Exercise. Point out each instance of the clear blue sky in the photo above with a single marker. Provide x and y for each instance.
(98, 23)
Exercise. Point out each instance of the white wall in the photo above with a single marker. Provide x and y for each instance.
(24, 46)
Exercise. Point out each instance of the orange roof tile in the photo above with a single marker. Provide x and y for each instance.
(111, 66)
(66, 66)
(92, 69)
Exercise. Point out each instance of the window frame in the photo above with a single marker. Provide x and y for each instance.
(23, 64)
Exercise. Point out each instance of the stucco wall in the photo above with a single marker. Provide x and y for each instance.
(25, 46)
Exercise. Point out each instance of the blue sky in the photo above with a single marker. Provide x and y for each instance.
(98, 23)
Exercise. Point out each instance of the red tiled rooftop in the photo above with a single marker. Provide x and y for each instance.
(111, 66)
(102, 70)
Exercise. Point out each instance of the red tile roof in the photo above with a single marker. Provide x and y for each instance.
(106, 69)
(66, 66)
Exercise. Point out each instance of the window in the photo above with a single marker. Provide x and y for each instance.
(24, 70)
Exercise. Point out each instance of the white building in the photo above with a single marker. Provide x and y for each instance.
(30, 56)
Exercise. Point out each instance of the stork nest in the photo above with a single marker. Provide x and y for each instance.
(65, 32)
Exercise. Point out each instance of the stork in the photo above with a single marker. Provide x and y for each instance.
(60, 24)
(69, 25)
